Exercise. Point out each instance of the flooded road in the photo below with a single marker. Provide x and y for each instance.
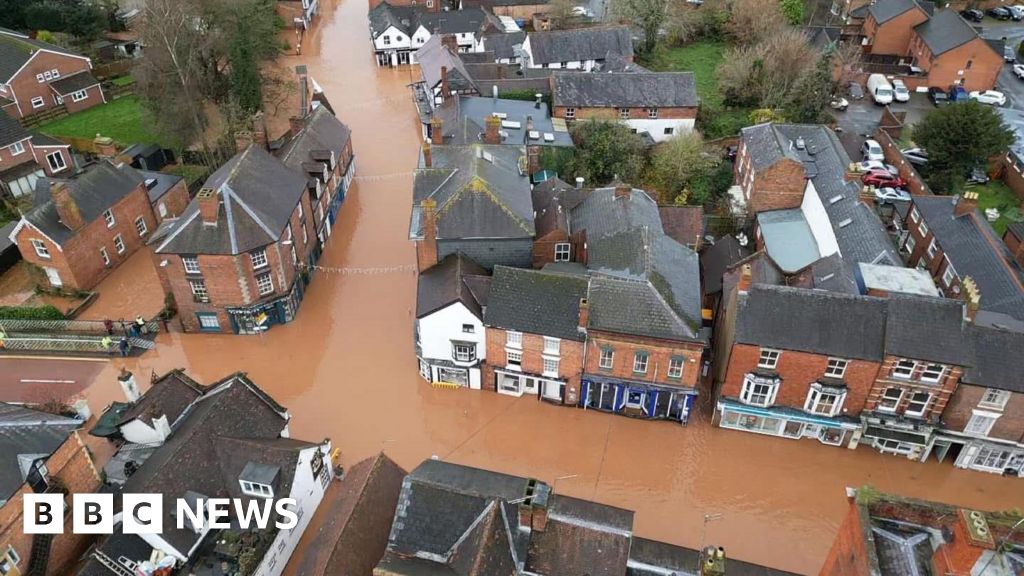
(346, 370)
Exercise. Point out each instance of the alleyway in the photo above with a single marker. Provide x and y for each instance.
(346, 370)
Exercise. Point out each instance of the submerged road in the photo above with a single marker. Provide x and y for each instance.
(346, 370)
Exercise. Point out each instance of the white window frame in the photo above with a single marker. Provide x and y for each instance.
(140, 225)
(205, 321)
(264, 287)
(930, 369)
(924, 408)
(675, 367)
(80, 95)
(639, 405)
(40, 78)
(462, 352)
(16, 148)
(50, 162)
(13, 555)
(514, 359)
(119, 244)
(813, 402)
(552, 346)
(883, 399)
(514, 339)
(623, 113)
(105, 255)
(981, 423)
(38, 102)
(900, 367)
(191, 264)
(652, 113)
(987, 452)
(994, 398)
(922, 227)
(563, 252)
(750, 391)
(550, 366)
(258, 258)
(570, 113)
(641, 360)
(836, 368)
(606, 359)
(931, 248)
(769, 358)
(108, 217)
(255, 489)
(948, 274)
(198, 286)
(40, 247)
(910, 244)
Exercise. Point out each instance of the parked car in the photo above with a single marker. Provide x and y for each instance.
(916, 156)
(1018, 71)
(886, 195)
(880, 89)
(977, 176)
(938, 96)
(972, 15)
(868, 165)
(1016, 12)
(999, 13)
(872, 150)
(1009, 55)
(839, 103)
(958, 93)
(882, 179)
(899, 91)
(993, 97)
(580, 11)
(856, 91)
(730, 153)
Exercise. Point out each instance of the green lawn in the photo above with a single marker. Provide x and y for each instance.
(123, 81)
(124, 120)
(997, 195)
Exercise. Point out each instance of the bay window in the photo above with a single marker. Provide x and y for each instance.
(758, 391)
(824, 400)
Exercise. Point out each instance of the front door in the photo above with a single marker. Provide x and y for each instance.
(54, 277)
(531, 386)
(403, 58)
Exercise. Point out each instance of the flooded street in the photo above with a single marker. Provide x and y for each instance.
(346, 370)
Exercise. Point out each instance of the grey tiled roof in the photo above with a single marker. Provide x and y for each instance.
(258, 195)
(322, 131)
(503, 44)
(444, 283)
(625, 90)
(997, 361)
(537, 302)
(885, 10)
(926, 328)
(26, 435)
(945, 31)
(16, 49)
(11, 130)
(408, 19)
(159, 183)
(385, 15)
(601, 213)
(70, 84)
(433, 56)
(975, 250)
(644, 283)
(1017, 228)
(717, 258)
(580, 44)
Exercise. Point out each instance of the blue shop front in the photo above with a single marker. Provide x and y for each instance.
(636, 398)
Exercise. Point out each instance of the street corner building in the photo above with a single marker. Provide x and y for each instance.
(189, 441)
(239, 258)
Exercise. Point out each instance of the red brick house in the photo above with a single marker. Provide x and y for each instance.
(26, 157)
(57, 461)
(535, 327)
(889, 24)
(36, 76)
(84, 226)
(768, 170)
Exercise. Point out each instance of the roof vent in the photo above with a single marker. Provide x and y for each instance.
(800, 144)
(501, 115)
(549, 137)
(846, 223)
(534, 135)
(150, 183)
(487, 156)
(511, 124)
(835, 199)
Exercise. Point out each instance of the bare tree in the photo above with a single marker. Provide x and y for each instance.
(765, 73)
(751, 21)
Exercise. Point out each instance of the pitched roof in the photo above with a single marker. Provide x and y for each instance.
(975, 250)
(684, 224)
(322, 132)
(885, 10)
(644, 283)
(66, 85)
(96, 189)
(444, 284)
(434, 56)
(942, 319)
(16, 49)
(580, 44)
(168, 396)
(27, 435)
(997, 360)
(605, 212)
(715, 260)
(479, 190)
(1017, 228)
(11, 130)
(258, 195)
(385, 15)
(503, 44)
(536, 301)
(570, 544)
(625, 90)
(408, 19)
(945, 31)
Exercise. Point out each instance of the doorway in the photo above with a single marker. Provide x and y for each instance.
(53, 277)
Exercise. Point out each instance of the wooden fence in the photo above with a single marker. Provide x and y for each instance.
(33, 120)
(111, 69)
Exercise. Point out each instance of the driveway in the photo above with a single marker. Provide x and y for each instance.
(862, 118)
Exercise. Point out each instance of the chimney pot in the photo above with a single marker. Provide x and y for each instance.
(745, 278)
(437, 130)
(492, 132)
(538, 99)
(67, 208)
(972, 297)
(209, 205)
(579, 182)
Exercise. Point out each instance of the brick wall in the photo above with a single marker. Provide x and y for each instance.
(174, 201)
(798, 370)
(1009, 426)
(80, 264)
(25, 86)
(8, 160)
(41, 152)
(544, 248)
(776, 187)
(94, 97)
(71, 464)
(659, 353)
(941, 391)
(915, 184)
(936, 264)
(1016, 246)
(1012, 176)
(893, 36)
(516, 252)
(848, 555)
(982, 74)
(570, 364)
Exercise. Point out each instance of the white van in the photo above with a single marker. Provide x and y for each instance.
(880, 89)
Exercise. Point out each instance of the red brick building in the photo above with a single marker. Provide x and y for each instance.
(889, 24)
(59, 463)
(36, 76)
(1014, 240)
(91, 222)
(26, 157)
(769, 171)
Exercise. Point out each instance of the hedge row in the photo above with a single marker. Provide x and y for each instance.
(30, 313)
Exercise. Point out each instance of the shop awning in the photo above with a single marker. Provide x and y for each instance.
(898, 435)
(790, 414)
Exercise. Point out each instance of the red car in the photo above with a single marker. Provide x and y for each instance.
(880, 178)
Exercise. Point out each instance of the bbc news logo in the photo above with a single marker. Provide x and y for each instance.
(143, 513)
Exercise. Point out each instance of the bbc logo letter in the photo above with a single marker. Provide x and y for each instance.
(43, 514)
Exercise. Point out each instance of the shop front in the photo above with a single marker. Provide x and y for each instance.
(515, 383)
(786, 423)
(993, 457)
(901, 438)
(260, 317)
(636, 399)
(447, 374)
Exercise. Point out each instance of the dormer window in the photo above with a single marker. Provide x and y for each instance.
(255, 489)
(258, 480)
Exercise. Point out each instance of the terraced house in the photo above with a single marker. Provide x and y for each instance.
(26, 157)
(36, 76)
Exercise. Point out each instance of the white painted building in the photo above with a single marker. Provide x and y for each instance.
(577, 49)
(398, 31)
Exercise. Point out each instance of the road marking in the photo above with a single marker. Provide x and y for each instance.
(27, 381)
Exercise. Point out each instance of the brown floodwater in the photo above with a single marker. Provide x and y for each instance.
(346, 370)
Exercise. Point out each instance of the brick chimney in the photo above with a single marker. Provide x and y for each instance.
(972, 298)
(623, 191)
(492, 132)
(296, 124)
(209, 205)
(967, 204)
(427, 156)
(743, 286)
(67, 209)
(451, 42)
(437, 130)
(584, 314)
(105, 146)
(259, 130)
(532, 159)
(852, 174)
(426, 249)
(243, 138)
(445, 92)
(712, 562)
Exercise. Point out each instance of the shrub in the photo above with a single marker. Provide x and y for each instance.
(793, 10)
(47, 312)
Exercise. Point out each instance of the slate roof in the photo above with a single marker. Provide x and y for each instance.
(625, 90)
(1017, 228)
(602, 213)
(885, 10)
(258, 195)
(66, 85)
(644, 283)
(322, 132)
(652, 558)
(444, 284)
(464, 121)
(385, 15)
(96, 189)
(116, 546)
(25, 436)
(813, 321)
(42, 140)
(433, 56)
(614, 62)
(910, 317)
(717, 258)
(580, 44)
(169, 396)
(11, 130)
(408, 19)
(502, 44)
(975, 250)
(537, 302)
(158, 183)
(570, 545)
(945, 31)
(16, 49)
(479, 190)
(997, 360)
(232, 424)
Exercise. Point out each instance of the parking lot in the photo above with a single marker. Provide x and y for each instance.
(862, 118)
